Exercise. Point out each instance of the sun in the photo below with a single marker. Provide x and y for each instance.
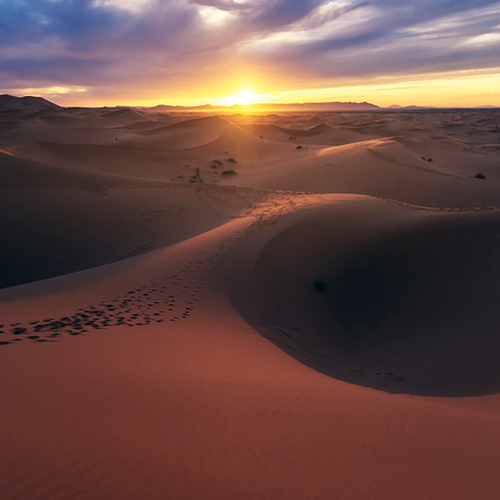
(245, 97)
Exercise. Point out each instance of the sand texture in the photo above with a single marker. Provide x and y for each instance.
(303, 305)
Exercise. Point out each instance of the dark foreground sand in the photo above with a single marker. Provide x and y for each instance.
(318, 318)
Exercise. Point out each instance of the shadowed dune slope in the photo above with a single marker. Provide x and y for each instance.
(383, 296)
(58, 220)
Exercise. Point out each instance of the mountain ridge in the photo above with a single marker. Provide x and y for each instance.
(9, 102)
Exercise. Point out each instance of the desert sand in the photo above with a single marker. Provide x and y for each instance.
(294, 305)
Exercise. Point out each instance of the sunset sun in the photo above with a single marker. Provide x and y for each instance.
(246, 96)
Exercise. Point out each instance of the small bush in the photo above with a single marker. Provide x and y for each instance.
(480, 175)
(231, 160)
(298, 147)
(228, 172)
(196, 176)
(321, 286)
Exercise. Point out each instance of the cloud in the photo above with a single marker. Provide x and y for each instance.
(277, 13)
(111, 44)
(93, 38)
(386, 37)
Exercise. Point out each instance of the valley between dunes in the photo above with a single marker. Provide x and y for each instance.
(302, 305)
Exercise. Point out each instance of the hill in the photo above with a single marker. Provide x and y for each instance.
(9, 102)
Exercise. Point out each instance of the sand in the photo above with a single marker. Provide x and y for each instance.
(300, 305)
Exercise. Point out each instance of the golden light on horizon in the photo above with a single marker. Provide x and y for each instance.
(468, 88)
(245, 97)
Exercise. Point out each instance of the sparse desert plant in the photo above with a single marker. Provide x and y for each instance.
(320, 285)
(231, 160)
(480, 175)
(196, 176)
(228, 172)
(298, 147)
(426, 159)
(179, 176)
(216, 163)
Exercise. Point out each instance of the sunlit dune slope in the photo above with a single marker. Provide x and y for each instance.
(381, 167)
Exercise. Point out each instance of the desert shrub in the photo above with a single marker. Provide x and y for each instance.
(231, 160)
(480, 175)
(228, 172)
(298, 147)
(196, 176)
(320, 285)
(216, 163)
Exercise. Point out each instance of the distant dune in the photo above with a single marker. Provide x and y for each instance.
(298, 304)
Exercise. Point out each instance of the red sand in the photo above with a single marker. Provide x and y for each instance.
(207, 363)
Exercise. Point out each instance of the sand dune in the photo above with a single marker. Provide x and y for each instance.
(385, 296)
(252, 306)
(184, 135)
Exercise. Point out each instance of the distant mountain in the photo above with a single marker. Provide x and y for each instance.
(8, 102)
(167, 107)
(397, 107)
(329, 106)
(265, 107)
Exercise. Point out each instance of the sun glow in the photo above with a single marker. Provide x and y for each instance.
(246, 96)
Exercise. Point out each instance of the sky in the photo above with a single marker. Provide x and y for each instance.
(191, 52)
